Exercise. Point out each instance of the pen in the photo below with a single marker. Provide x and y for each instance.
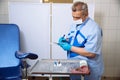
(64, 40)
(63, 35)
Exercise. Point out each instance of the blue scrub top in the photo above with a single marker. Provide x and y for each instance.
(93, 34)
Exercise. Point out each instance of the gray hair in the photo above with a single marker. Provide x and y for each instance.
(81, 6)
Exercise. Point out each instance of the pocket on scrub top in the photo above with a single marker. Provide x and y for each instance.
(80, 39)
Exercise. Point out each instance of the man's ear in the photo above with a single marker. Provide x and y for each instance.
(84, 13)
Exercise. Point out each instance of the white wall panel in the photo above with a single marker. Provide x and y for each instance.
(61, 20)
(33, 21)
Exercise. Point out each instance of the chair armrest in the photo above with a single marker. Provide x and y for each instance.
(22, 55)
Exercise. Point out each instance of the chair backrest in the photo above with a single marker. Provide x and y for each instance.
(9, 43)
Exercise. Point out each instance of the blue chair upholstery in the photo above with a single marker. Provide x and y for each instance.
(10, 68)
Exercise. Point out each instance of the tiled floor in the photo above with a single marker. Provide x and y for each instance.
(66, 78)
(111, 78)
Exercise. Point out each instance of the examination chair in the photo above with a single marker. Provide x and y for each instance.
(10, 55)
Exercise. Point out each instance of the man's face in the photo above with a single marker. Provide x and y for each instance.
(76, 13)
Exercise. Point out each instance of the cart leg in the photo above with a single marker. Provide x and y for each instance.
(82, 77)
(50, 78)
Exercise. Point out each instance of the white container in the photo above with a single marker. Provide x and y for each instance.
(83, 63)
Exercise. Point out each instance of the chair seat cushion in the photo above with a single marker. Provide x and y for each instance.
(10, 72)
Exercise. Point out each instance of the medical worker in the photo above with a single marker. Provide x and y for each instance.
(84, 42)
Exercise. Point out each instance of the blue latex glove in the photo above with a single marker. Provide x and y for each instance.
(66, 46)
(61, 39)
